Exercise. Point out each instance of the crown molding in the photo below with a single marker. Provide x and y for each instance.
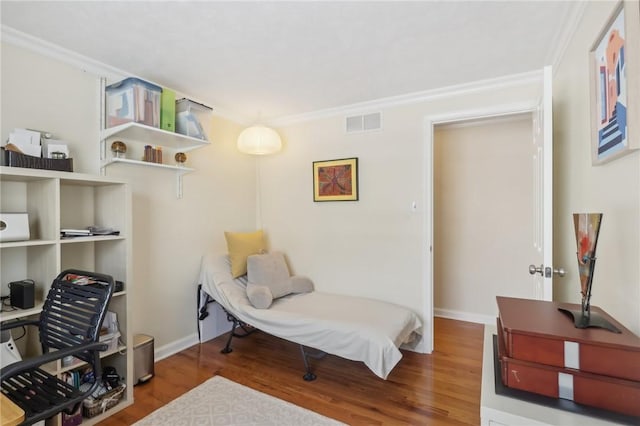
(563, 37)
(574, 15)
(51, 50)
(20, 39)
(423, 96)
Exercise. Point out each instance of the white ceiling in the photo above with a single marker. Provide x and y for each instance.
(264, 60)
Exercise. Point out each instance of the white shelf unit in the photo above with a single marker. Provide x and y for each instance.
(141, 132)
(55, 200)
(136, 136)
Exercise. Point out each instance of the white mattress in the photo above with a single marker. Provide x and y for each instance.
(355, 328)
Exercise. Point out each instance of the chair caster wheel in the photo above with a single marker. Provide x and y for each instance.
(309, 377)
(226, 351)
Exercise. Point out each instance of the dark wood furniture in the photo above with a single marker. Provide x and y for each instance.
(542, 352)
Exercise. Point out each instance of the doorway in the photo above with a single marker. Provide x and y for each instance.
(483, 212)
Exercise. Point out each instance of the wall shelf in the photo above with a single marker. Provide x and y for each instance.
(137, 135)
(180, 169)
(140, 132)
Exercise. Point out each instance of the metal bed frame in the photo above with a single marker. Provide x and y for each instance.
(247, 329)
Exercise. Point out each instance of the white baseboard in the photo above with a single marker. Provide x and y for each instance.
(421, 346)
(175, 346)
(464, 316)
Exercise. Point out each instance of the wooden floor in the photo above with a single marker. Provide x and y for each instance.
(442, 388)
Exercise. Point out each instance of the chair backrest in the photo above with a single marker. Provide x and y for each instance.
(74, 310)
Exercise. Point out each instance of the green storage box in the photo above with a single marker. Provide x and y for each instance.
(168, 110)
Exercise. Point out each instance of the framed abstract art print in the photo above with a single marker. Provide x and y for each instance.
(615, 85)
(335, 180)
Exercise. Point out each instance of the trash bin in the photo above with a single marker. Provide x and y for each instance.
(143, 358)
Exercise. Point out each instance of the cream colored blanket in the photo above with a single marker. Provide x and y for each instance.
(355, 328)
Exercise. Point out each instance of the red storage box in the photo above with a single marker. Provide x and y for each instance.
(536, 331)
(608, 393)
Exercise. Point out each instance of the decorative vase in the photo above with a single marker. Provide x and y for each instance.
(587, 230)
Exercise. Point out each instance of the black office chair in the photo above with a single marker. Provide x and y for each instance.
(70, 323)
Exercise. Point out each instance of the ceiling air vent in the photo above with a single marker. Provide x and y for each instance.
(364, 123)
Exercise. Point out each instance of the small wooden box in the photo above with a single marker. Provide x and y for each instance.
(536, 331)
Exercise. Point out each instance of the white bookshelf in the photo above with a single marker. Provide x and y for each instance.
(56, 200)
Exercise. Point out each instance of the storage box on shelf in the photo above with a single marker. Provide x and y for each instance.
(16, 159)
(55, 200)
(100, 405)
(188, 118)
(133, 100)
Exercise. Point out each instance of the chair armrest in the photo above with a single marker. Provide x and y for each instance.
(20, 323)
(30, 363)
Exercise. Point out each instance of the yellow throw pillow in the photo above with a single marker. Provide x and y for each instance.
(242, 245)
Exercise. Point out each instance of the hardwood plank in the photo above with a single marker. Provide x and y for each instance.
(442, 388)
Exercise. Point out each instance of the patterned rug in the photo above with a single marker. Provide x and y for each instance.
(219, 401)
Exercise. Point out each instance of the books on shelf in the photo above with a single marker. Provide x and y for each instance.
(88, 231)
(67, 232)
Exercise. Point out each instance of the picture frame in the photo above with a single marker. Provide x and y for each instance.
(335, 180)
(614, 61)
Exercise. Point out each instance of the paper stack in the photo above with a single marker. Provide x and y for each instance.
(27, 141)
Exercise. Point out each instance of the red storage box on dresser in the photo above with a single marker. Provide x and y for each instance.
(541, 351)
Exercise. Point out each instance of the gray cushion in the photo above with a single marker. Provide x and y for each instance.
(259, 296)
(268, 279)
(269, 270)
(300, 284)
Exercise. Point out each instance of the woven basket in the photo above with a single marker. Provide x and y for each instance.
(93, 407)
(16, 159)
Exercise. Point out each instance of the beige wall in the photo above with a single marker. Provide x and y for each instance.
(483, 214)
(375, 247)
(613, 188)
(53, 96)
(169, 234)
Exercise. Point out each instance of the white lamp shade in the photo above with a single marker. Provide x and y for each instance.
(259, 140)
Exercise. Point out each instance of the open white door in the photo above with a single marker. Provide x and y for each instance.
(542, 266)
(542, 238)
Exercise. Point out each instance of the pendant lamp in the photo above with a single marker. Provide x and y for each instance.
(259, 140)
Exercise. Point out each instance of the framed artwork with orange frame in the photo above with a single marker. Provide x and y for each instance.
(335, 180)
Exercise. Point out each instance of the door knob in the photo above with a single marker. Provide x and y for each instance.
(546, 272)
(533, 269)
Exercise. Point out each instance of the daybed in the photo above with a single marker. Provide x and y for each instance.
(355, 328)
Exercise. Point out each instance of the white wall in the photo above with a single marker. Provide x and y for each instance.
(613, 188)
(50, 95)
(169, 234)
(483, 214)
(376, 246)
